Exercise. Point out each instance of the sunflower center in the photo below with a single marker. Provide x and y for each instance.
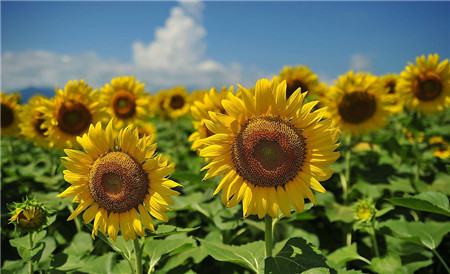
(357, 107)
(268, 151)
(117, 182)
(74, 117)
(7, 117)
(390, 87)
(176, 102)
(428, 88)
(294, 85)
(37, 125)
(124, 104)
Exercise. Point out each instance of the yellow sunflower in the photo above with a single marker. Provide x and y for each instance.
(441, 149)
(146, 129)
(176, 102)
(125, 101)
(300, 77)
(70, 113)
(425, 86)
(118, 181)
(9, 114)
(389, 81)
(197, 95)
(358, 103)
(212, 101)
(31, 120)
(270, 149)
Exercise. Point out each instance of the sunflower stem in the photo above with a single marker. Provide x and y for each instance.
(30, 262)
(441, 260)
(268, 236)
(347, 172)
(138, 256)
(373, 235)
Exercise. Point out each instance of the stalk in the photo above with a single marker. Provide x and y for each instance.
(441, 260)
(30, 263)
(268, 236)
(138, 256)
(373, 235)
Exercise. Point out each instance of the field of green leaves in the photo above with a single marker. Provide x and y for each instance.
(386, 210)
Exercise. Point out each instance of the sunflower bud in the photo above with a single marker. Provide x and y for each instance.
(364, 210)
(29, 215)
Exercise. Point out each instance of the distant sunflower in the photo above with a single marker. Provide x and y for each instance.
(425, 86)
(70, 113)
(124, 100)
(197, 95)
(211, 101)
(441, 148)
(146, 129)
(270, 149)
(31, 120)
(9, 114)
(176, 102)
(300, 77)
(389, 81)
(358, 103)
(118, 181)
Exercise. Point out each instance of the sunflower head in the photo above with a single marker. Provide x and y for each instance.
(10, 110)
(147, 129)
(29, 215)
(32, 119)
(125, 101)
(440, 147)
(118, 181)
(364, 210)
(300, 77)
(358, 103)
(425, 86)
(263, 147)
(70, 113)
(211, 101)
(176, 102)
(389, 82)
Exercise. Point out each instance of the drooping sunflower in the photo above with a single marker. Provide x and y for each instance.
(425, 86)
(300, 77)
(9, 114)
(31, 120)
(270, 149)
(358, 103)
(211, 101)
(176, 102)
(124, 100)
(29, 215)
(118, 181)
(70, 113)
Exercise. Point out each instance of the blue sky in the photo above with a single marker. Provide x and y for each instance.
(212, 43)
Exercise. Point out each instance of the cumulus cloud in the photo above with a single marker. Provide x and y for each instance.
(177, 55)
(360, 62)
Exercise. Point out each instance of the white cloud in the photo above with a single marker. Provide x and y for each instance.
(360, 62)
(177, 55)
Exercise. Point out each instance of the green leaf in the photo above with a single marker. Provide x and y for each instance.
(155, 249)
(341, 256)
(165, 230)
(98, 264)
(81, 244)
(433, 202)
(250, 256)
(197, 253)
(296, 257)
(428, 234)
(390, 264)
(25, 250)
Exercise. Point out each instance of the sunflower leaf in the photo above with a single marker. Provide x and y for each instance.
(433, 202)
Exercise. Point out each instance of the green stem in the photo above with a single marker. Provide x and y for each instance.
(417, 166)
(77, 222)
(441, 260)
(268, 236)
(30, 263)
(345, 178)
(374, 241)
(138, 256)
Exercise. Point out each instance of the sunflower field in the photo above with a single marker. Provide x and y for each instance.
(291, 175)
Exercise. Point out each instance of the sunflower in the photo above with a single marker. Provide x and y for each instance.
(389, 81)
(31, 120)
(212, 101)
(197, 95)
(125, 101)
(441, 149)
(9, 114)
(118, 181)
(300, 77)
(358, 103)
(176, 102)
(146, 129)
(29, 215)
(270, 149)
(425, 86)
(70, 113)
